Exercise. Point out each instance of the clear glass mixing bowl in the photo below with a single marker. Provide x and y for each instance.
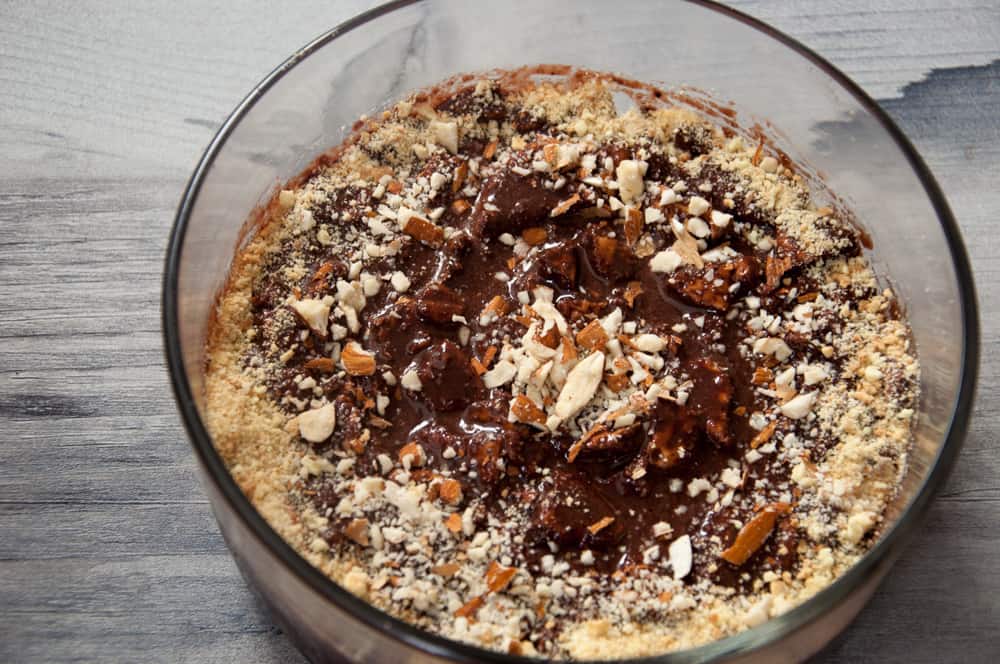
(817, 116)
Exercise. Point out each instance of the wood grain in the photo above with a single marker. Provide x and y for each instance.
(108, 550)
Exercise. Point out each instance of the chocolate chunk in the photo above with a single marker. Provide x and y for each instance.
(447, 379)
(558, 266)
(710, 285)
(439, 304)
(565, 509)
(509, 202)
(614, 446)
(611, 257)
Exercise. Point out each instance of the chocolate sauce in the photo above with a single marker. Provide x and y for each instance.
(636, 476)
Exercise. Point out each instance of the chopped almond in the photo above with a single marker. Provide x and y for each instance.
(551, 153)
(758, 153)
(568, 349)
(356, 360)
(593, 336)
(357, 531)
(665, 596)
(598, 526)
(577, 447)
(415, 452)
(490, 150)
(497, 306)
(824, 211)
(808, 297)
(447, 570)
(460, 206)
(324, 364)
(470, 608)
(423, 230)
(489, 354)
(754, 533)
(394, 186)
(616, 382)
(534, 236)
(477, 366)
(563, 206)
(525, 410)
(451, 492)
(359, 443)
(604, 249)
(499, 577)
(633, 227)
(686, 246)
(460, 174)
(318, 281)
(632, 291)
(454, 522)
(548, 339)
(762, 376)
(764, 435)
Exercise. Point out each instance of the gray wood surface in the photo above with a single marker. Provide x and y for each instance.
(108, 551)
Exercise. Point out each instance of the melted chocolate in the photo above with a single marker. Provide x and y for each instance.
(636, 476)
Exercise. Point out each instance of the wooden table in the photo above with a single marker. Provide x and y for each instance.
(108, 551)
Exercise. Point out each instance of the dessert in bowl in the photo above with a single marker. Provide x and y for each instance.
(534, 372)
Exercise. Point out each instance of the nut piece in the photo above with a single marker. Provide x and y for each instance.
(412, 455)
(666, 261)
(630, 185)
(454, 522)
(525, 410)
(450, 492)
(317, 424)
(323, 364)
(799, 407)
(581, 384)
(598, 526)
(420, 229)
(772, 346)
(534, 236)
(286, 199)
(680, 556)
(499, 577)
(593, 336)
(698, 206)
(469, 608)
(447, 570)
(648, 343)
(754, 533)
(356, 360)
(445, 134)
(400, 282)
(563, 206)
(411, 381)
(314, 313)
(357, 531)
(764, 435)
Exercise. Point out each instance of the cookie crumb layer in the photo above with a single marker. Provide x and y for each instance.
(554, 380)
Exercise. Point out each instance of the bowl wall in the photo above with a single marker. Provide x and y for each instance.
(814, 115)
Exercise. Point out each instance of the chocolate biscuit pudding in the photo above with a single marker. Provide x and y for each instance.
(535, 374)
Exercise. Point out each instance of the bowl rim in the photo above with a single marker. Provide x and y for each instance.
(884, 551)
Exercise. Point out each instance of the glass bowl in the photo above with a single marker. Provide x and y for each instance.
(817, 116)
